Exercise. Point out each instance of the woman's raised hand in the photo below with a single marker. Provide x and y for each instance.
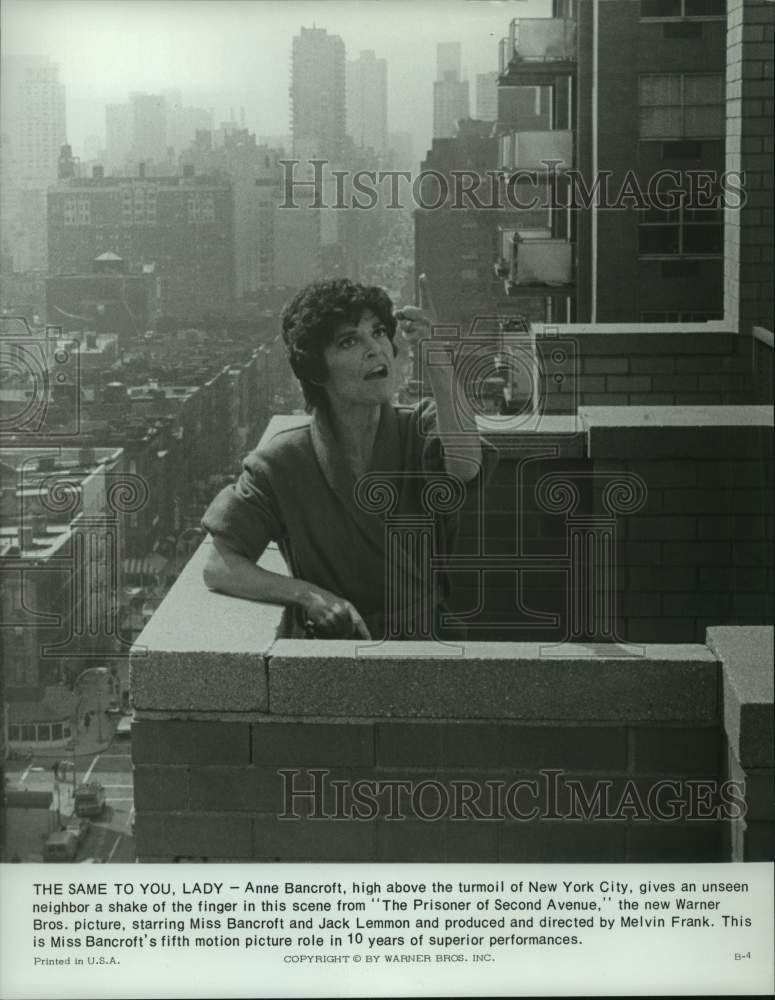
(415, 322)
(333, 616)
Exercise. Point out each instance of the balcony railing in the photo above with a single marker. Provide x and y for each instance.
(545, 151)
(539, 40)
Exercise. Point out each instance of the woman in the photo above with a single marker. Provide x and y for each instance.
(299, 489)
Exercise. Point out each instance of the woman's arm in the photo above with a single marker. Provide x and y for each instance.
(229, 572)
(456, 424)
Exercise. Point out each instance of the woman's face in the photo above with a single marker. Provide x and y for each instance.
(361, 366)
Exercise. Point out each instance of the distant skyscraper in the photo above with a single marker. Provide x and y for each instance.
(33, 113)
(255, 177)
(33, 103)
(118, 135)
(450, 103)
(401, 145)
(184, 122)
(448, 61)
(149, 127)
(487, 97)
(367, 101)
(450, 93)
(318, 94)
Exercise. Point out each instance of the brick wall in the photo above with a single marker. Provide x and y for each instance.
(207, 785)
(696, 553)
(659, 369)
(748, 250)
(746, 657)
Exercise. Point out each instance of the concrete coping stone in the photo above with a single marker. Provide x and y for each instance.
(746, 655)
(202, 650)
(717, 326)
(570, 682)
(676, 416)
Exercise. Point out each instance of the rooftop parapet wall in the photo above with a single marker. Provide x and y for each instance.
(221, 709)
(746, 656)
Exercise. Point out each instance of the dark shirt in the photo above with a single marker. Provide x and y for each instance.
(297, 491)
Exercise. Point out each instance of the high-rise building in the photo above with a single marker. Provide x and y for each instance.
(317, 94)
(149, 127)
(255, 176)
(450, 93)
(487, 97)
(653, 101)
(118, 136)
(183, 122)
(401, 150)
(454, 245)
(33, 113)
(33, 102)
(448, 61)
(145, 129)
(450, 105)
(367, 101)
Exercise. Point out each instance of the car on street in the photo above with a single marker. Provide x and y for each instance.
(90, 799)
(61, 846)
(124, 728)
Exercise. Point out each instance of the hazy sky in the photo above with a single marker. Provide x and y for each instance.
(236, 53)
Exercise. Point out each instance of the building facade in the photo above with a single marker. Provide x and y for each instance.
(622, 245)
(33, 103)
(184, 225)
(487, 96)
(367, 102)
(317, 92)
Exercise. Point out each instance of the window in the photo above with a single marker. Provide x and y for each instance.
(84, 212)
(661, 9)
(44, 732)
(201, 208)
(56, 731)
(138, 205)
(682, 106)
(28, 733)
(70, 211)
(13, 734)
(681, 232)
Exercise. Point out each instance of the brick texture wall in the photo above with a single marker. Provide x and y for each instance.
(748, 250)
(207, 784)
(660, 369)
(541, 725)
(212, 790)
(697, 553)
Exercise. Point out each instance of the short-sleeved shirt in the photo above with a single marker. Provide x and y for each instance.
(305, 501)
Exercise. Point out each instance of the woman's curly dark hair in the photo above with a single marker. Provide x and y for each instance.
(310, 319)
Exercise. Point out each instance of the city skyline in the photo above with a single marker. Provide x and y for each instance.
(209, 55)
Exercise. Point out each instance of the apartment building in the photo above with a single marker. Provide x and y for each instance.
(630, 158)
